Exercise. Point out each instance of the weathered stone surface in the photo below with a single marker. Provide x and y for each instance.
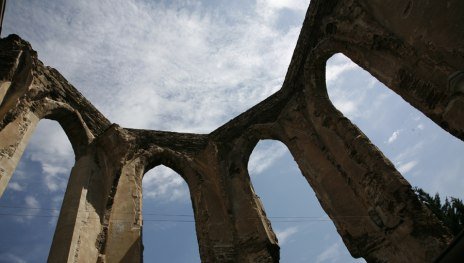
(101, 219)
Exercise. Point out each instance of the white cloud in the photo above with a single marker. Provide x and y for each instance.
(163, 184)
(410, 152)
(448, 181)
(15, 186)
(330, 254)
(300, 5)
(11, 258)
(342, 79)
(347, 107)
(270, 9)
(336, 253)
(284, 235)
(31, 202)
(155, 65)
(55, 204)
(179, 67)
(32, 209)
(393, 137)
(50, 135)
(407, 167)
(51, 148)
(338, 65)
(264, 156)
(55, 177)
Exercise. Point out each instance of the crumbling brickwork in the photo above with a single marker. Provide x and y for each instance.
(416, 48)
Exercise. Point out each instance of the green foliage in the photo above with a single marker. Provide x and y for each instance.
(451, 213)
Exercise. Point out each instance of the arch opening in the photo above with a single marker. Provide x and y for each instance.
(167, 215)
(31, 204)
(305, 233)
(425, 154)
(72, 124)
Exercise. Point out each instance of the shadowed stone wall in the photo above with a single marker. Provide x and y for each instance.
(101, 218)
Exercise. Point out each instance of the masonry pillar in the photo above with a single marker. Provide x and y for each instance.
(14, 137)
(17, 120)
(213, 224)
(238, 229)
(81, 216)
(373, 207)
(88, 228)
(419, 60)
(124, 237)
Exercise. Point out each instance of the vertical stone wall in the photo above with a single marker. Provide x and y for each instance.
(372, 206)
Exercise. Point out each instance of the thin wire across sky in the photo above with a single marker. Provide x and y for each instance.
(170, 217)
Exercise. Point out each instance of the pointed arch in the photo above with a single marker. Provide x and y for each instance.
(167, 214)
(126, 216)
(419, 148)
(349, 175)
(301, 225)
(46, 167)
(70, 120)
(15, 134)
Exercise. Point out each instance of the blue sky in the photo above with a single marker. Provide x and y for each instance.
(190, 66)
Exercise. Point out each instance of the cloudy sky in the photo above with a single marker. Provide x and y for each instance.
(190, 66)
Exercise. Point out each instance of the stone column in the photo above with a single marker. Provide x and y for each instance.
(14, 137)
(17, 120)
(77, 231)
(237, 228)
(214, 227)
(420, 61)
(87, 229)
(371, 204)
(124, 237)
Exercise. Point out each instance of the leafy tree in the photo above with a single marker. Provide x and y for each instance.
(451, 213)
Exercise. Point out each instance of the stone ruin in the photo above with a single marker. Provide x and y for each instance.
(416, 48)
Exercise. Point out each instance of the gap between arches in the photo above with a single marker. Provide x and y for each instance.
(168, 222)
(425, 154)
(32, 202)
(304, 231)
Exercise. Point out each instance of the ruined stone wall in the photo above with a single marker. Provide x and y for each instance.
(393, 40)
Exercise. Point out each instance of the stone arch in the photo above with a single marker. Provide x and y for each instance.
(125, 219)
(401, 57)
(389, 118)
(254, 239)
(310, 202)
(13, 143)
(348, 173)
(18, 125)
(330, 185)
(171, 197)
(25, 119)
(169, 159)
(45, 186)
(206, 204)
(70, 120)
(87, 205)
(400, 66)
